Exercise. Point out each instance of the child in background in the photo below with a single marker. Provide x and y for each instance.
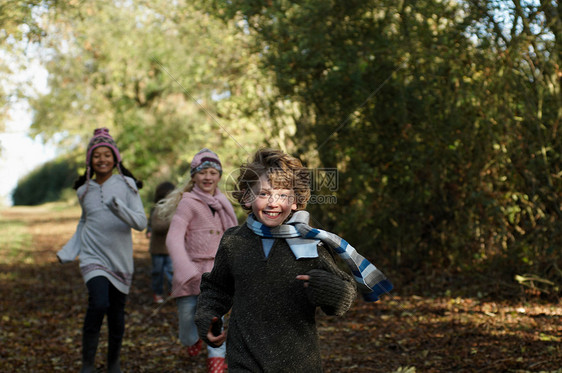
(201, 214)
(273, 272)
(111, 206)
(156, 232)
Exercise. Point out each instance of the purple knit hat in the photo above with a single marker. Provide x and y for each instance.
(205, 158)
(102, 138)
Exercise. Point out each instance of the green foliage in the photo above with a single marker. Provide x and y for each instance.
(20, 28)
(181, 80)
(443, 141)
(384, 100)
(440, 117)
(45, 184)
(19, 19)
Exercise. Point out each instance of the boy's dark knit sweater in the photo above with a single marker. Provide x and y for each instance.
(272, 326)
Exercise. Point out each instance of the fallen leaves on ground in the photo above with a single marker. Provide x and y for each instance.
(43, 305)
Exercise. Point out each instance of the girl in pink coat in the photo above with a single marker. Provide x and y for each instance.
(201, 214)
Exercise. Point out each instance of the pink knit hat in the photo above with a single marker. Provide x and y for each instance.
(205, 158)
(102, 138)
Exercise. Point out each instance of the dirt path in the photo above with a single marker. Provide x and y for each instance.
(43, 304)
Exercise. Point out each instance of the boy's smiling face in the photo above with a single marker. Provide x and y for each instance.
(271, 207)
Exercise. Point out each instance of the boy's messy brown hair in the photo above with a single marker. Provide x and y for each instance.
(282, 170)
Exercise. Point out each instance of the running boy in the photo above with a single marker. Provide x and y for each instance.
(271, 276)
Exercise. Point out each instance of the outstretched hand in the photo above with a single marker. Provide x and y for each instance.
(216, 339)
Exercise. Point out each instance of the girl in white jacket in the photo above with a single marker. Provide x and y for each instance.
(111, 206)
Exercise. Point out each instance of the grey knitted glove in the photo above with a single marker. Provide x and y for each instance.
(330, 292)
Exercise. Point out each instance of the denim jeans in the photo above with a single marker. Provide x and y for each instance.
(187, 329)
(161, 268)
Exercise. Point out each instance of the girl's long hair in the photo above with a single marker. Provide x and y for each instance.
(82, 178)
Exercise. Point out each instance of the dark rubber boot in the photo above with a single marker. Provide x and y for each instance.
(113, 352)
(89, 349)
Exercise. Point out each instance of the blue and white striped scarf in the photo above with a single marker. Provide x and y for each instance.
(303, 241)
